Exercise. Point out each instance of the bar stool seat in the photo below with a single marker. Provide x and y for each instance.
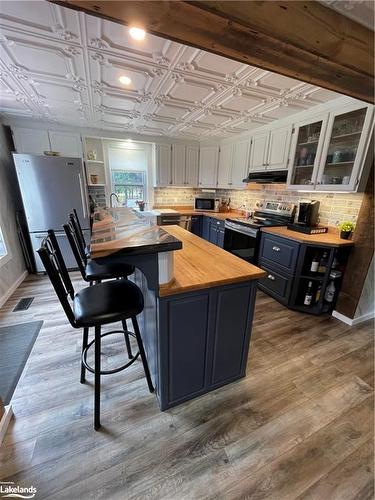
(107, 303)
(106, 271)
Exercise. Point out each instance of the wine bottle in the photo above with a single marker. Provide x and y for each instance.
(308, 295)
(323, 263)
(318, 293)
(330, 292)
(315, 264)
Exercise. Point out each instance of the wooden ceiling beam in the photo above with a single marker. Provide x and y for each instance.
(303, 40)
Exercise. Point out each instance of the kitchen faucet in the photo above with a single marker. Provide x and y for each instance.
(110, 199)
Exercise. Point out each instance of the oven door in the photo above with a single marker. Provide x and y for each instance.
(241, 241)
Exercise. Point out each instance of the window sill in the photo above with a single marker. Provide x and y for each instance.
(5, 259)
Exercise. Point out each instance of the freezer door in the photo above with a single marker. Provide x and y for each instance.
(71, 263)
(51, 187)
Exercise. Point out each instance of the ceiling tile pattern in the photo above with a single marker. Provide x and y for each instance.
(62, 66)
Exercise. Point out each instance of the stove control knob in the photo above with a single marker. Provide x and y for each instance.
(261, 204)
(288, 208)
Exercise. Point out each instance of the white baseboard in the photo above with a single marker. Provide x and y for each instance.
(13, 288)
(353, 321)
(4, 423)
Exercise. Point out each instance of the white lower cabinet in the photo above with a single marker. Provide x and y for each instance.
(208, 165)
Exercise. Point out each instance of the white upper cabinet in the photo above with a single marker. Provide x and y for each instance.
(192, 166)
(225, 165)
(305, 152)
(270, 149)
(328, 152)
(178, 164)
(208, 164)
(240, 163)
(163, 164)
(35, 141)
(259, 150)
(66, 143)
(278, 149)
(32, 141)
(347, 141)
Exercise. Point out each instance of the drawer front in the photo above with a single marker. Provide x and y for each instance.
(275, 284)
(280, 251)
(217, 223)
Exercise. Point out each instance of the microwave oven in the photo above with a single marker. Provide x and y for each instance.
(207, 204)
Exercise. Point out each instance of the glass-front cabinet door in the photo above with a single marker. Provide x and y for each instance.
(307, 143)
(344, 149)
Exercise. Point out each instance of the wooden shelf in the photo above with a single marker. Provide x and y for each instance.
(98, 184)
(313, 278)
(304, 166)
(95, 161)
(339, 163)
(345, 136)
(307, 143)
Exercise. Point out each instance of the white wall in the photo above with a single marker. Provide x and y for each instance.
(365, 307)
(13, 271)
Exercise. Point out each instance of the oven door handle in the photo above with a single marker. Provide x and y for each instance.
(245, 232)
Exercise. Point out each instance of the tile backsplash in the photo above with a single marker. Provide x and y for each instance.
(334, 207)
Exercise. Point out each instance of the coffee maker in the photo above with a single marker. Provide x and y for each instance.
(307, 219)
(308, 213)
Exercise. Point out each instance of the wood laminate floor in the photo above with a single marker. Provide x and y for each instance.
(300, 425)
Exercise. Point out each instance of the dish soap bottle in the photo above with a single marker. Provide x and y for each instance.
(330, 292)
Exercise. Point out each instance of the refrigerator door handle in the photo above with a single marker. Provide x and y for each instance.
(82, 197)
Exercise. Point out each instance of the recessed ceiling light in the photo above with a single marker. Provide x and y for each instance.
(137, 33)
(125, 80)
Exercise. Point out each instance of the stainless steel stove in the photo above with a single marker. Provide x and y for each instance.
(242, 235)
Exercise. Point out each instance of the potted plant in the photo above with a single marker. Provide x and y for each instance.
(141, 205)
(346, 229)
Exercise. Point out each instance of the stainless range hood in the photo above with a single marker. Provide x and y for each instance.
(270, 177)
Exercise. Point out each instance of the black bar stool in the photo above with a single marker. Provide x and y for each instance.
(80, 236)
(93, 307)
(90, 269)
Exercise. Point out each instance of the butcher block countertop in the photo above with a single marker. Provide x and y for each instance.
(200, 264)
(331, 238)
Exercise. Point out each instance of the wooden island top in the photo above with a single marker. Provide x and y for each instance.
(331, 238)
(200, 264)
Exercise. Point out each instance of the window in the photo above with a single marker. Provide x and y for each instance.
(129, 172)
(129, 185)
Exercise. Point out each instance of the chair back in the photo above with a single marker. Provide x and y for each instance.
(73, 239)
(73, 217)
(53, 261)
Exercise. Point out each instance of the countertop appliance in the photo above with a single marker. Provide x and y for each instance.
(241, 236)
(51, 187)
(308, 213)
(207, 204)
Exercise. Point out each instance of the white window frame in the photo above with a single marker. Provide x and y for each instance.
(144, 185)
(147, 147)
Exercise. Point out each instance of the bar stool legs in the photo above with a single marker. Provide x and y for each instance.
(84, 345)
(142, 353)
(97, 378)
(127, 341)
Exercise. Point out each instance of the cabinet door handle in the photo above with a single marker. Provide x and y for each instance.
(271, 277)
(276, 249)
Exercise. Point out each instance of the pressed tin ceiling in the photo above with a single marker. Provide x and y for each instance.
(62, 66)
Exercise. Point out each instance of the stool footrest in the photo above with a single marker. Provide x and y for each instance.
(115, 370)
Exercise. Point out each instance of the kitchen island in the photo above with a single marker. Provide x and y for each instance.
(196, 328)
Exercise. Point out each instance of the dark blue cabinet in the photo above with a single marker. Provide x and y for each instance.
(206, 228)
(196, 224)
(280, 252)
(213, 231)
